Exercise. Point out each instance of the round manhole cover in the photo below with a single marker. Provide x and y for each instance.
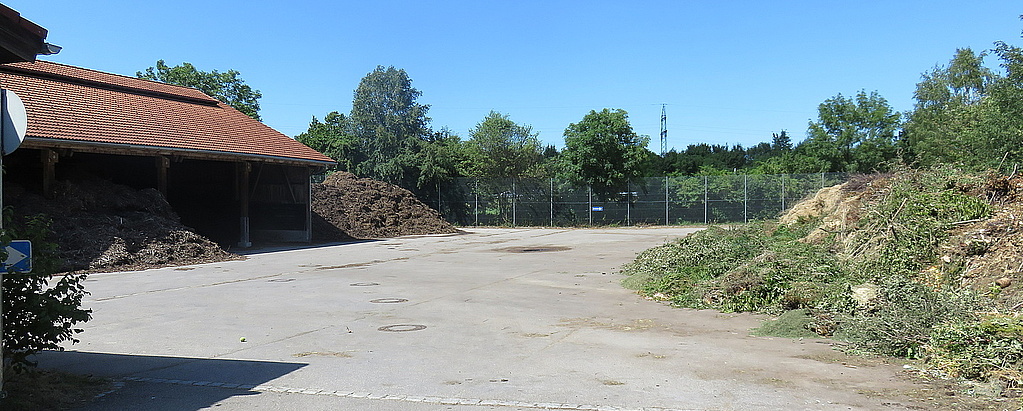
(363, 284)
(398, 328)
(281, 280)
(388, 300)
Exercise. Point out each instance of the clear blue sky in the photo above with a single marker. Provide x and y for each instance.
(730, 72)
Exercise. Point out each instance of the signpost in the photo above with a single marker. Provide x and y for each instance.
(19, 257)
(13, 126)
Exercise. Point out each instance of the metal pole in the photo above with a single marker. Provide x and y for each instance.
(705, 200)
(783, 192)
(589, 195)
(513, 198)
(745, 199)
(3, 150)
(822, 180)
(476, 202)
(628, 203)
(552, 201)
(666, 200)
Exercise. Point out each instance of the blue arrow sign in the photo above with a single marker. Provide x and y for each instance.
(19, 256)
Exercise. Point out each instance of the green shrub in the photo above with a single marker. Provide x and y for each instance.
(900, 322)
(682, 269)
(990, 347)
(920, 309)
(39, 310)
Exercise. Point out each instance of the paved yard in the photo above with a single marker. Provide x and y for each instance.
(491, 319)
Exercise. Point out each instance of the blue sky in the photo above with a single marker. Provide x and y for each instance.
(730, 72)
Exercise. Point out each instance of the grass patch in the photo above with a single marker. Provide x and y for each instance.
(791, 324)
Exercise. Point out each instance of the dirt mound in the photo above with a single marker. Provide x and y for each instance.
(993, 248)
(838, 207)
(345, 207)
(989, 250)
(100, 226)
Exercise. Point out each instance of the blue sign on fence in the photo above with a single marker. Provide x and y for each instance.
(19, 256)
(598, 208)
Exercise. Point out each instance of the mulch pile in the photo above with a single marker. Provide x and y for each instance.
(993, 248)
(346, 207)
(100, 226)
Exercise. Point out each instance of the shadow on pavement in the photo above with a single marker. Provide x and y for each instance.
(170, 378)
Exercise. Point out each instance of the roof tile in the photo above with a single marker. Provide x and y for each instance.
(71, 103)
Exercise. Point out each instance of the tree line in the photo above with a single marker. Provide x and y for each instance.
(965, 113)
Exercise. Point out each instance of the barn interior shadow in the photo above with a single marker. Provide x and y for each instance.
(184, 382)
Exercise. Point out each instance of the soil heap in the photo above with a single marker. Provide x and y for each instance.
(100, 226)
(346, 207)
(991, 249)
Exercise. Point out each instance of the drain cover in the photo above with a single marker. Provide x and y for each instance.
(280, 280)
(363, 284)
(398, 328)
(535, 249)
(388, 300)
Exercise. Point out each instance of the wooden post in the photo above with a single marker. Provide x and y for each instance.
(242, 178)
(49, 159)
(162, 165)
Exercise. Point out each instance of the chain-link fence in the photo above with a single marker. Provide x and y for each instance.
(657, 201)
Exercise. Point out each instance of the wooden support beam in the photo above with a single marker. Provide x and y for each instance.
(243, 169)
(162, 165)
(49, 159)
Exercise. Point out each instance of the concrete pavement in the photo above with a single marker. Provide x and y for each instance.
(491, 319)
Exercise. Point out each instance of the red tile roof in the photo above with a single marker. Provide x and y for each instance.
(75, 105)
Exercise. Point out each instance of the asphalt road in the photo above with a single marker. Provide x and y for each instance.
(493, 319)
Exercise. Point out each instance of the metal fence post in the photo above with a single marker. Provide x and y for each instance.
(552, 201)
(745, 199)
(589, 196)
(514, 198)
(783, 192)
(476, 202)
(666, 201)
(705, 201)
(822, 180)
(628, 203)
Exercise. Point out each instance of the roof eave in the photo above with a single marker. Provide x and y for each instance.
(137, 149)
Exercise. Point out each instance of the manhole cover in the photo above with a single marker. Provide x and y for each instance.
(363, 284)
(388, 300)
(280, 280)
(535, 249)
(398, 328)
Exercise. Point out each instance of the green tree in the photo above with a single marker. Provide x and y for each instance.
(1006, 93)
(334, 138)
(390, 126)
(499, 148)
(227, 87)
(440, 158)
(780, 142)
(853, 134)
(947, 124)
(603, 151)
